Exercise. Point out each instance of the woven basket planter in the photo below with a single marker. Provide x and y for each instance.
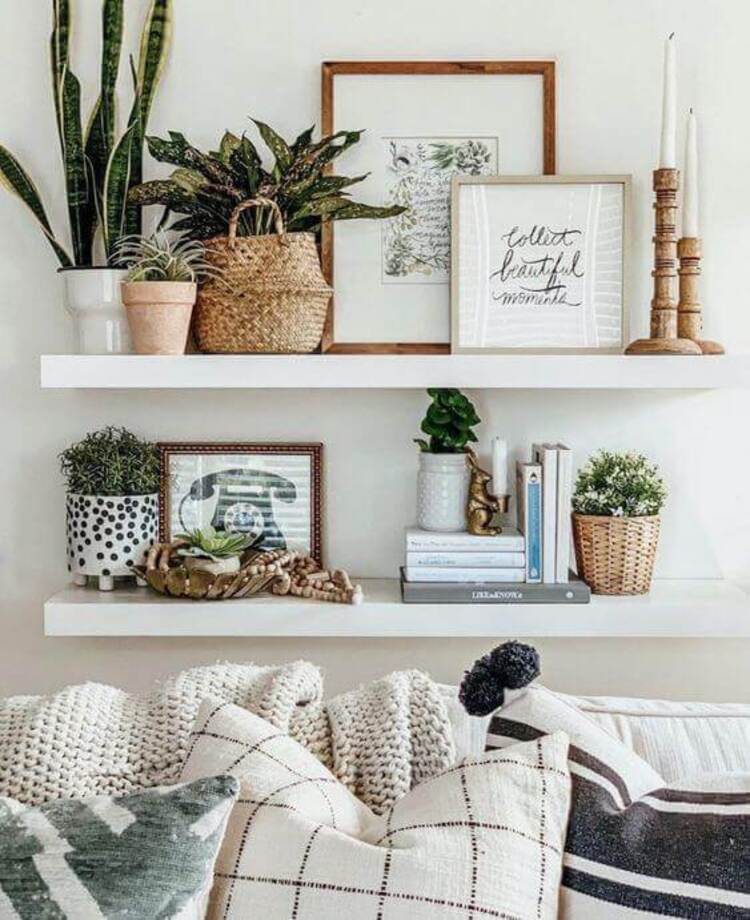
(271, 295)
(615, 555)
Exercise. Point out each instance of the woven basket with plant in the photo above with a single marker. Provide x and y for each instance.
(616, 522)
(272, 296)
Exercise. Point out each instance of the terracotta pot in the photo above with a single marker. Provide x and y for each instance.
(159, 314)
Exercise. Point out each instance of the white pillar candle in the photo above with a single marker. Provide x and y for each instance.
(690, 201)
(668, 148)
(499, 466)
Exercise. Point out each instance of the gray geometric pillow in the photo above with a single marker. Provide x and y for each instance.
(143, 856)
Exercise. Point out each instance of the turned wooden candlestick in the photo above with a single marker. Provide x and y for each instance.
(664, 337)
(689, 310)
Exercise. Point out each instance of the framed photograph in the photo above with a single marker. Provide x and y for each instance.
(538, 264)
(273, 490)
(425, 123)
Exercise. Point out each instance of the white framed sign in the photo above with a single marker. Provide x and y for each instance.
(538, 264)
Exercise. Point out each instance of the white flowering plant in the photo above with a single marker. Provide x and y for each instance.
(619, 485)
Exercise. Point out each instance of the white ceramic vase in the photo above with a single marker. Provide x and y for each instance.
(109, 534)
(92, 297)
(442, 492)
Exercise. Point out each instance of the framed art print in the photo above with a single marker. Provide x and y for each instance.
(272, 490)
(425, 122)
(538, 264)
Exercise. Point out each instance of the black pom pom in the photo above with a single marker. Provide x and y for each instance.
(509, 666)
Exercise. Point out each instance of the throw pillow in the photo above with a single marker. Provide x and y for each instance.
(483, 839)
(148, 855)
(636, 845)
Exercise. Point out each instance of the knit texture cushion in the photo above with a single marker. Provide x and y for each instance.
(145, 856)
(484, 839)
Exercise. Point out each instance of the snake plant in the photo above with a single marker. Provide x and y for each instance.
(206, 187)
(99, 168)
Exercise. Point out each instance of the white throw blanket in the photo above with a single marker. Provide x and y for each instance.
(92, 739)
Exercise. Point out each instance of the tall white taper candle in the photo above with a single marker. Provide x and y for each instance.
(668, 147)
(690, 202)
(499, 466)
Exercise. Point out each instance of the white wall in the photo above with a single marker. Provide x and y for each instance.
(232, 58)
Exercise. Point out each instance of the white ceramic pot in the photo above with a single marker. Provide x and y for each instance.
(213, 566)
(109, 534)
(159, 315)
(92, 297)
(442, 492)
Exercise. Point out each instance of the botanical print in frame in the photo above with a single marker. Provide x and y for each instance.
(539, 264)
(513, 102)
(272, 490)
(416, 245)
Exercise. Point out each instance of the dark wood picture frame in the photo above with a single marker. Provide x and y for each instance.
(331, 69)
(314, 450)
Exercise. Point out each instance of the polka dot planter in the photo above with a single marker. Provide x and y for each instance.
(109, 534)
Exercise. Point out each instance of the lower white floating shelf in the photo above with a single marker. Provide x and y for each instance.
(674, 608)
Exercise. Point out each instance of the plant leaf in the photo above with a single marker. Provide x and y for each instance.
(59, 52)
(276, 144)
(81, 211)
(14, 178)
(116, 185)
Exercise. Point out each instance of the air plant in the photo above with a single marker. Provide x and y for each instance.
(99, 168)
(206, 187)
(209, 543)
(161, 258)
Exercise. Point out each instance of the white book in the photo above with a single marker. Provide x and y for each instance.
(509, 541)
(564, 498)
(546, 456)
(467, 576)
(467, 560)
(529, 504)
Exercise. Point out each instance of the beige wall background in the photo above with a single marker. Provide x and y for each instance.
(232, 58)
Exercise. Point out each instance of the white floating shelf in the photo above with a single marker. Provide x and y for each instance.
(588, 372)
(684, 609)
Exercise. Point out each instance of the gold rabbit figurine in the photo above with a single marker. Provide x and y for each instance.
(481, 506)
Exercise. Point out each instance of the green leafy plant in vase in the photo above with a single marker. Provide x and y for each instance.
(443, 478)
(616, 504)
(160, 288)
(215, 551)
(112, 481)
(100, 167)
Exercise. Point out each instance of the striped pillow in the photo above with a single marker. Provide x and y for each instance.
(636, 846)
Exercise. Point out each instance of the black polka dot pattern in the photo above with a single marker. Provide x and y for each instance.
(109, 535)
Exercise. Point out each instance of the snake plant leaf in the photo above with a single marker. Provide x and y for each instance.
(59, 53)
(277, 145)
(16, 180)
(81, 210)
(116, 185)
(100, 132)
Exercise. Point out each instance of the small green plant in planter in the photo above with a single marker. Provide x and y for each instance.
(443, 479)
(160, 288)
(112, 481)
(214, 551)
(616, 504)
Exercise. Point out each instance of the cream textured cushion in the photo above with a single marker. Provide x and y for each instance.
(484, 839)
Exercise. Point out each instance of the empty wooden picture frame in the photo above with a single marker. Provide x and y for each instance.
(538, 264)
(270, 489)
(424, 122)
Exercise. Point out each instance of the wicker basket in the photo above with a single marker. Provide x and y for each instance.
(616, 555)
(271, 295)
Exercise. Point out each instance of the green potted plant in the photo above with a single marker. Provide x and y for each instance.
(274, 297)
(443, 478)
(159, 290)
(616, 504)
(99, 170)
(215, 551)
(112, 481)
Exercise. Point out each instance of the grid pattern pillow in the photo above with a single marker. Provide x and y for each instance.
(637, 846)
(482, 840)
(147, 855)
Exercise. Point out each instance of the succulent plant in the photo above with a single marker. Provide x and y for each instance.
(209, 543)
(159, 258)
(448, 422)
(619, 485)
(206, 187)
(99, 168)
(112, 461)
